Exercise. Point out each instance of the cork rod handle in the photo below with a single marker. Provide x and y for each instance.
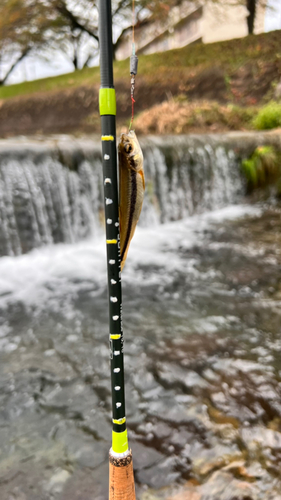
(121, 478)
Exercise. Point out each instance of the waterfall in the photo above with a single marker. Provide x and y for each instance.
(184, 178)
(53, 192)
(43, 201)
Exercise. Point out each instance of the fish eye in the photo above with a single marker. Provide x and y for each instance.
(128, 148)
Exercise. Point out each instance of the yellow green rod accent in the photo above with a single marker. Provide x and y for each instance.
(107, 138)
(120, 442)
(107, 102)
(121, 421)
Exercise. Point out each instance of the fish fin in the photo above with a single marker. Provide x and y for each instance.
(141, 172)
(127, 248)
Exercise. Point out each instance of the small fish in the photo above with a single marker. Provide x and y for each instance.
(131, 189)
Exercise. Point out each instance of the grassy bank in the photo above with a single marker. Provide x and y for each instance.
(220, 85)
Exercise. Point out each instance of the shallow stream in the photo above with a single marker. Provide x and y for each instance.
(202, 325)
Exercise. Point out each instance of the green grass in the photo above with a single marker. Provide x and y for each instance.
(268, 117)
(86, 76)
(262, 168)
(229, 55)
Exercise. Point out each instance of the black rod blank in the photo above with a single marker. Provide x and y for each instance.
(105, 42)
(109, 162)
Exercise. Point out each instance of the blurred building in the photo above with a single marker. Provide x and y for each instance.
(190, 23)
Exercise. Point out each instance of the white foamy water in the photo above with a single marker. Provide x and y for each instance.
(47, 274)
(54, 194)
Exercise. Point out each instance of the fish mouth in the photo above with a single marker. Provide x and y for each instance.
(127, 137)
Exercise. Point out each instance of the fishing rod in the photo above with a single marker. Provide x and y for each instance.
(121, 478)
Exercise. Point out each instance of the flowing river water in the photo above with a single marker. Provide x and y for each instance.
(201, 317)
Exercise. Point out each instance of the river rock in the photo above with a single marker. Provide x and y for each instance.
(56, 483)
(161, 475)
(17, 494)
(144, 456)
(222, 486)
(187, 495)
(257, 437)
(213, 458)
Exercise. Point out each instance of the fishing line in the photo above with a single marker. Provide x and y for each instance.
(133, 22)
(133, 64)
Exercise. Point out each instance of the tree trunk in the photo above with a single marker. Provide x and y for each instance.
(251, 6)
(75, 61)
(20, 58)
(62, 8)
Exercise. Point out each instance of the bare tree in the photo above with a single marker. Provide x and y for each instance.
(24, 27)
(252, 9)
(71, 26)
(251, 5)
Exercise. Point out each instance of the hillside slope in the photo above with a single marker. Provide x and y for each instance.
(241, 73)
